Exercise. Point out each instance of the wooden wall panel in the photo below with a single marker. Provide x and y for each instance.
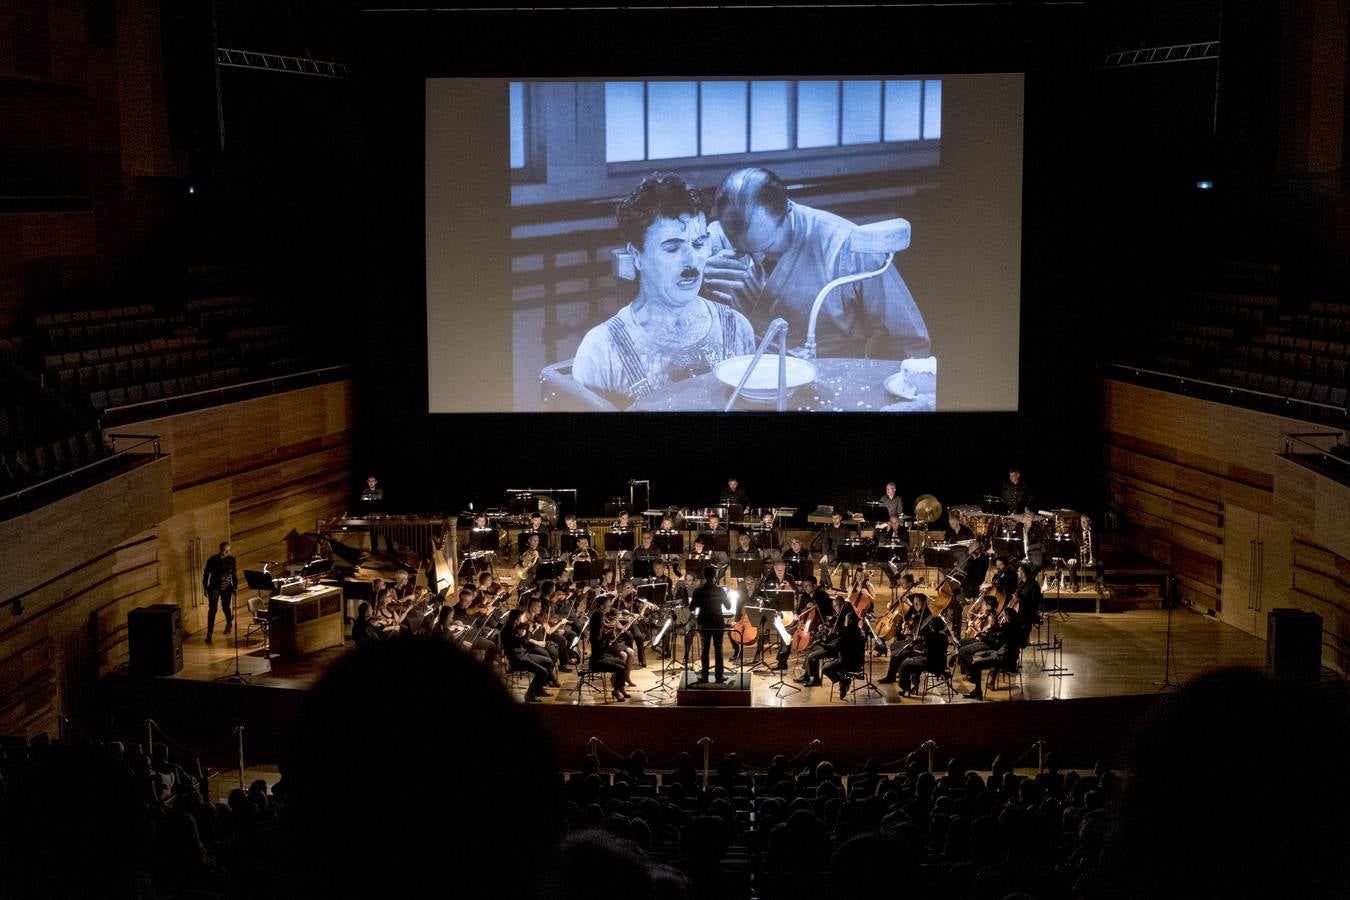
(57, 538)
(1322, 585)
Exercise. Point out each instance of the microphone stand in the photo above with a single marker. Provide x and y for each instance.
(237, 677)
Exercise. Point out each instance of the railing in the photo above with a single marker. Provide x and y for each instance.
(150, 409)
(1219, 392)
(34, 495)
(1300, 446)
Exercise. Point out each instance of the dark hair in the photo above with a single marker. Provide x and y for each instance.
(709, 573)
(661, 195)
(744, 190)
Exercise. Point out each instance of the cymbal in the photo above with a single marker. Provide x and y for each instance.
(927, 509)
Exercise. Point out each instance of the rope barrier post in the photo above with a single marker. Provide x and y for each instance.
(594, 742)
(706, 743)
(240, 731)
(149, 737)
(1040, 756)
(930, 747)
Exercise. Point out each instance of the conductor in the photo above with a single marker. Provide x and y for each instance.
(709, 603)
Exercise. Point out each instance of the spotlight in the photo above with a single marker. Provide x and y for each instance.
(192, 189)
(1204, 185)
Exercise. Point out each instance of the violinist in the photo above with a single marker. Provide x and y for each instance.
(861, 595)
(849, 645)
(603, 624)
(525, 655)
(824, 646)
(635, 637)
(546, 636)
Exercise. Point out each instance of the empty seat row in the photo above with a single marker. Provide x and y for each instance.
(47, 320)
(73, 359)
(95, 335)
(168, 387)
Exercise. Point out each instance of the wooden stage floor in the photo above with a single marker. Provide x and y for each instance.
(1109, 654)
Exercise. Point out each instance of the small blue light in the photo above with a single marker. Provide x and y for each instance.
(192, 189)
(1204, 185)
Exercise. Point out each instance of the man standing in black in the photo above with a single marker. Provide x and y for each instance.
(1015, 492)
(218, 581)
(835, 535)
(709, 608)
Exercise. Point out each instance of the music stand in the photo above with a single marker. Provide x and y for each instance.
(783, 600)
(714, 541)
(747, 566)
(483, 540)
(316, 567)
(871, 637)
(654, 592)
(549, 568)
(781, 684)
(642, 566)
(586, 570)
(993, 503)
(767, 538)
(661, 687)
(568, 539)
(669, 543)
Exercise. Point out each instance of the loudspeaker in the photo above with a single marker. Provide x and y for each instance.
(1294, 644)
(155, 639)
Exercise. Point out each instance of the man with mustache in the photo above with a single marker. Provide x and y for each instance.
(668, 333)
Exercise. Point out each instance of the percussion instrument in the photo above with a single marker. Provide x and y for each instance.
(888, 549)
(985, 525)
(855, 550)
(927, 509)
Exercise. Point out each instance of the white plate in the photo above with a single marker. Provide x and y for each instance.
(894, 385)
(762, 385)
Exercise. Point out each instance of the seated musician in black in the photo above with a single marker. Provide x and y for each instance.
(890, 531)
(635, 638)
(825, 646)
(777, 579)
(467, 623)
(523, 656)
(798, 559)
(768, 536)
(930, 656)
(603, 659)
(812, 596)
(999, 646)
(911, 622)
(1033, 541)
(644, 556)
(734, 496)
(719, 557)
(849, 645)
(956, 529)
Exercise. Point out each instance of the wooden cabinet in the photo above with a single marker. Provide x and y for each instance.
(1257, 572)
(307, 622)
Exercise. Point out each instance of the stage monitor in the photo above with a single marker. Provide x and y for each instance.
(628, 245)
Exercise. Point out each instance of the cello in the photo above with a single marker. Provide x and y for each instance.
(744, 632)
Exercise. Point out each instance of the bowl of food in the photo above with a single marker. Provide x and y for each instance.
(761, 388)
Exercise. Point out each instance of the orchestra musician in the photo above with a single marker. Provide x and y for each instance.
(798, 559)
(528, 564)
(891, 502)
(825, 646)
(816, 601)
(1016, 493)
(644, 556)
(849, 645)
(710, 609)
(1000, 644)
(768, 536)
(930, 655)
(524, 654)
(538, 528)
(957, 530)
(635, 638)
(734, 497)
(835, 535)
(602, 631)
(890, 530)
(1028, 594)
(776, 580)
(715, 527)
(913, 621)
(547, 636)
(970, 575)
(1033, 537)
(583, 553)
